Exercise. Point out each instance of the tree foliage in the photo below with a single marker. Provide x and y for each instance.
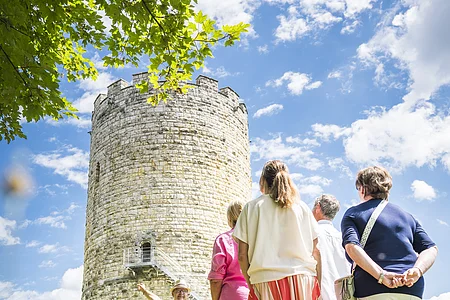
(44, 41)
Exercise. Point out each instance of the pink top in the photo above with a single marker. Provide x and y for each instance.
(225, 266)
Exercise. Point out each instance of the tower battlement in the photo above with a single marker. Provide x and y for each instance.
(202, 82)
(160, 179)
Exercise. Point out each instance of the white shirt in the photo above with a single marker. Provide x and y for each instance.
(334, 264)
(280, 240)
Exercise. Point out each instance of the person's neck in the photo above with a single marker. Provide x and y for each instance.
(366, 198)
(324, 219)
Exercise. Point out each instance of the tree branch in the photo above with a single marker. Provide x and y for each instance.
(7, 23)
(153, 17)
(12, 64)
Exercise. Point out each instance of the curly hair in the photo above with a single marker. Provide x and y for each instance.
(328, 204)
(375, 181)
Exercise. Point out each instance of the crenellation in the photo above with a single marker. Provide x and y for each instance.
(115, 87)
(139, 77)
(232, 95)
(99, 99)
(163, 169)
(207, 82)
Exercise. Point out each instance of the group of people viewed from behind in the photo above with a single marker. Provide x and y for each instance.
(278, 249)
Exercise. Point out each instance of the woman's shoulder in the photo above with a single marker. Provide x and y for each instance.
(362, 210)
(225, 236)
(259, 200)
(301, 205)
(400, 212)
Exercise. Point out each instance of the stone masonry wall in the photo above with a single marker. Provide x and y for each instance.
(168, 171)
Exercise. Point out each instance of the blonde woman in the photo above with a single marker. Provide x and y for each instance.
(388, 268)
(226, 279)
(277, 236)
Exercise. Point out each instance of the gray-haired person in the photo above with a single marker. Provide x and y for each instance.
(334, 263)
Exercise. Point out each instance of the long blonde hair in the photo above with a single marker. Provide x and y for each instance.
(233, 211)
(276, 181)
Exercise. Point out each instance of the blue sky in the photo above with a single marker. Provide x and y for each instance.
(331, 86)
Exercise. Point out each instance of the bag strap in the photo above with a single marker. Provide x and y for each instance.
(369, 226)
(371, 222)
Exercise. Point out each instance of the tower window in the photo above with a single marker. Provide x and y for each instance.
(97, 172)
(146, 252)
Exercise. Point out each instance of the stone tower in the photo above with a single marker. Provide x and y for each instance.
(160, 179)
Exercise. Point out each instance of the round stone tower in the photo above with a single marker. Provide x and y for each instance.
(160, 179)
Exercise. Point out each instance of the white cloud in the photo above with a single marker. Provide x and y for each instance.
(317, 180)
(418, 42)
(98, 62)
(422, 190)
(405, 135)
(305, 141)
(70, 210)
(290, 28)
(56, 222)
(73, 165)
(335, 74)
(315, 15)
(338, 164)
(276, 149)
(255, 190)
(70, 289)
(47, 264)
(220, 72)
(314, 85)
(32, 244)
(54, 189)
(268, 110)
(444, 296)
(350, 27)
(421, 139)
(91, 88)
(6, 228)
(311, 190)
(6, 289)
(310, 186)
(85, 103)
(80, 122)
(230, 12)
(354, 7)
(263, 49)
(327, 131)
(445, 224)
(52, 248)
(25, 224)
(106, 21)
(297, 82)
(56, 218)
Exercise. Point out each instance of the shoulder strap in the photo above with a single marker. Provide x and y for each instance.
(369, 226)
(371, 222)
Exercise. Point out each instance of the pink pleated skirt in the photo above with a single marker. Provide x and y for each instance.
(296, 287)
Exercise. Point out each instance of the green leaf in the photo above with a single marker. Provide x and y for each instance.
(42, 45)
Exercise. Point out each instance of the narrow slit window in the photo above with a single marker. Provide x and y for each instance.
(97, 172)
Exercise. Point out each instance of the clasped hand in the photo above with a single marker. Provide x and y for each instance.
(409, 278)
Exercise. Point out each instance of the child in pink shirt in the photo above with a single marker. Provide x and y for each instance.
(226, 279)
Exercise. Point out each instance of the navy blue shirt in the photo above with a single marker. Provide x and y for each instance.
(394, 243)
